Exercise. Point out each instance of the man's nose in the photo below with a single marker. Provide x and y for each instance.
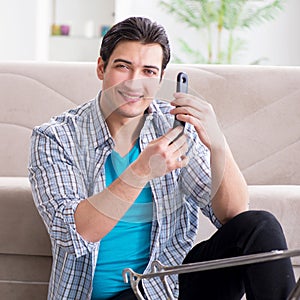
(135, 81)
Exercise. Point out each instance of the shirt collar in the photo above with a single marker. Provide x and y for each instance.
(102, 132)
(103, 136)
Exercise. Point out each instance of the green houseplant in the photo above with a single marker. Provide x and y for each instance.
(219, 21)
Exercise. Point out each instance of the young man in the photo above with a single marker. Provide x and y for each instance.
(118, 187)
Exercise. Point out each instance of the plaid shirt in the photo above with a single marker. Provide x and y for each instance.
(67, 161)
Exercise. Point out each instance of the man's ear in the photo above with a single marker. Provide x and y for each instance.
(100, 68)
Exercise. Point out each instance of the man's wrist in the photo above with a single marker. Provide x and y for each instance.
(135, 177)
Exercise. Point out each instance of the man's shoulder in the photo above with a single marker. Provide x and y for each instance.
(67, 118)
(66, 122)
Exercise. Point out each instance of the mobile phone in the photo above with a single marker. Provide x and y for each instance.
(182, 87)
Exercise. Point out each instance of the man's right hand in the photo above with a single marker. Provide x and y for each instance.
(162, 155)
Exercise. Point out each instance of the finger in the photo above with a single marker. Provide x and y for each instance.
(178, 143)
(187, 100)
(191, 119)
(183, 95)
(181, 152)
(178, 136)
(173, 134)
(182, 162)
(183, 112)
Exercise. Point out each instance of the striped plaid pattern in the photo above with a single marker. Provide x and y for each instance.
(67, 165)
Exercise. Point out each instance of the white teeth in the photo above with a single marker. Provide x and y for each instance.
(131, 97)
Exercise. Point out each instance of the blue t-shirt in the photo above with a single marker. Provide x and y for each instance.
(128, 243)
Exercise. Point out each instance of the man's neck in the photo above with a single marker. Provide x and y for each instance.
(125, 132)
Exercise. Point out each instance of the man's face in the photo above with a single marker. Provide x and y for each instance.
(131, 79)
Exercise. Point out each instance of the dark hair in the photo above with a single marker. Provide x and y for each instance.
(135, 29)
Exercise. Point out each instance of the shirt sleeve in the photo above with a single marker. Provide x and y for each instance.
(57, 187)
(195, 179)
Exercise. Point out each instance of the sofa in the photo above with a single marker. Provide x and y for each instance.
(258, 108)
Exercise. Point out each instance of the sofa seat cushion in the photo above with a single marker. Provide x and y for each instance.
(22, 230)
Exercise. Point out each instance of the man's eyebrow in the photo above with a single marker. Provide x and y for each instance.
(130, 63)
(152, 67)
(122, 60)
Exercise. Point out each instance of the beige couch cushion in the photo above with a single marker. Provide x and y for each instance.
(25, 252)
(32, 93)
(22, 230)
(284, 202)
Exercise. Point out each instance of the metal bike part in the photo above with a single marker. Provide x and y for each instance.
(161, 271)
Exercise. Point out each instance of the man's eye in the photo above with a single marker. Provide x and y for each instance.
(150, 72)
(121, 66)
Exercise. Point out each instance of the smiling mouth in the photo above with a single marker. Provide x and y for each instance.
(131, 97)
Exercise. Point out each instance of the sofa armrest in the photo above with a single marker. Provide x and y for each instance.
(284, 202)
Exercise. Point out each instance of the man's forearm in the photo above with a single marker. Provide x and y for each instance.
(97, 215)
(229, 188)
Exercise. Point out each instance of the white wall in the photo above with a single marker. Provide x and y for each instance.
(24, 31)
(18, 29)
(278, 40)
(85, 19)
(25, 27)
